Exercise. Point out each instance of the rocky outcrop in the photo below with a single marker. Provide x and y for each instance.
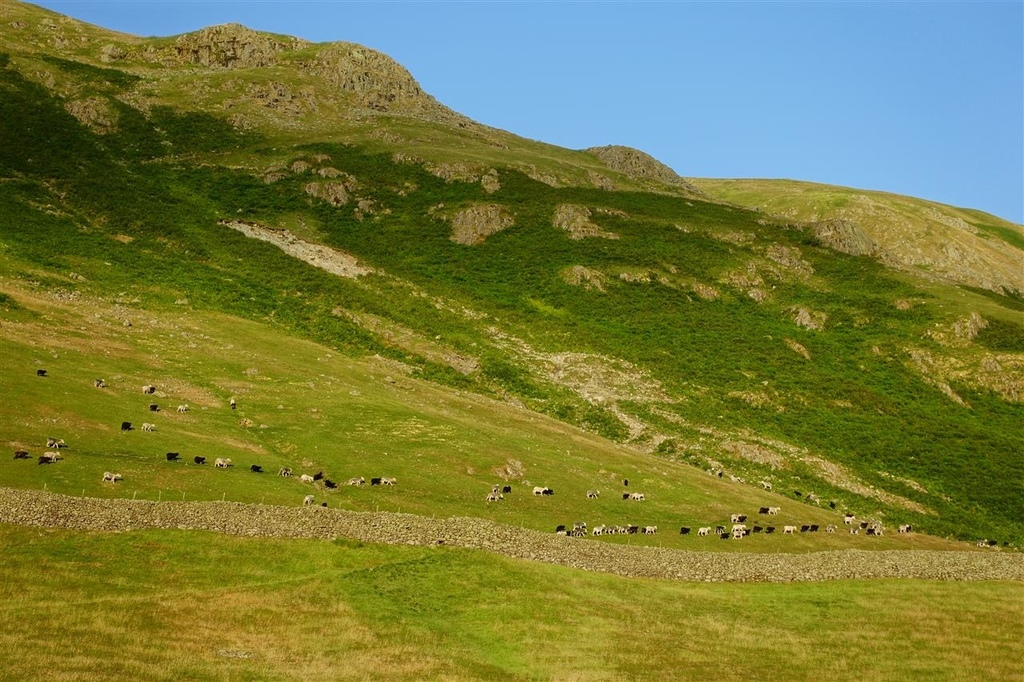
(473, 225)
(576, 221)
(845, 236)
(48, 510)
(323, 257)
(636, 164)
(230, 46)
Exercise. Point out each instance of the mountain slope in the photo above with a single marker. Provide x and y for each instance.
(607, 295)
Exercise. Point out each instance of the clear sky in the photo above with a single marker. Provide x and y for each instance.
(918, 98)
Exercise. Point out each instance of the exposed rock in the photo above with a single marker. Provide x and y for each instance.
(231, 46)
(790, 258)
(705, 291)
(589, 279)
(808, 319)
(637, 164)
(575, 220)
(112, 53)
(798, 348)
(95, 113)
(334, 193)
(474, 224)
(845, 236)
(969, 327)
(323, 257)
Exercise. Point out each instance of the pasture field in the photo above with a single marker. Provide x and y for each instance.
(172, 605)
(313, 410)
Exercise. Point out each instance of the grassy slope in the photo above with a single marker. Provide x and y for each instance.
(68, 192)
(263, 609)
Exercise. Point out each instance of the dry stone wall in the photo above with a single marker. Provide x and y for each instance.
(38, 508)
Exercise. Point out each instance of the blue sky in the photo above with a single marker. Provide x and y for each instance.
(918, 98)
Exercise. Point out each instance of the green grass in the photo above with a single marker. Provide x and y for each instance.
(305, 609)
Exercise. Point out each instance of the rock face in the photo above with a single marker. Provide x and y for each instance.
(845, 236)
(576, 221)
(637, 164)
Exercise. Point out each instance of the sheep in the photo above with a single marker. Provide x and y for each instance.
(149, 427)
(256, 469)
(598, 530)
(393, 481)
(182, 409)
(376, 481)
(788, 530)
(318, 475)
(495, 497)
(593, 494)
(738, 532)
(172, 456)
(126, 426)
(357, 481)
(649, 530)
(505, 490)
(49, 457)
(579, 529)
(40, 372)
(99, 383)
(830, 528)
(329, 484)
(308, 500)
(906, 528)
(719, 530)
(774, 511)
(306, 478)
(56, 443)
(685, 530)
(543, 490)
(199, 460)
(285, 471)
(766, 485)
(811, 497)
(147, 389)
(703, 531)
(21, 454)
(222, 463)
(232, 403)
(737, 518)
(111, 478)
(639, 497)
(153, 407)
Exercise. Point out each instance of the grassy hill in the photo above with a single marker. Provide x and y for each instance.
(388, 289)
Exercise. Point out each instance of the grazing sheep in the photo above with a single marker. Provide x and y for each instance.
(737, 518)
(758, 529)
(593, 494)
(147, 389)
(649, 530)
(543, 490)
(329, 484)
(579, 529)
(285, 471)
(766, 485)
(719, 530)
(318, 475)
(149, 427)
(172, 456)
(811, 497)
(126, 426)
(222, 463)
(598, 530)
(199, 460)
(21, 454)
(738, 532)
(685, 530)
(99, 383)
(625, 482)
(306, 478)
(182, 409)
(376, 481)
(49, 457)
(560, 529)
(848, 519)
(308, 500)
(774, 511)
(40, 372)
(769, 530)
(495, 497)
(256, 469)
(232, 403)
(762, 510)
(788, 530)
(830, 528)
(153, 407)
(639, 497)
(625, 496)
(906, 528)
(393, 481)
(55, 443)
(703, 531)
(111, 478)
(854, 530)
(632, 530)
(357, 481)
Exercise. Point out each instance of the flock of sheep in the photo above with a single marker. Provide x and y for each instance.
(54, 455)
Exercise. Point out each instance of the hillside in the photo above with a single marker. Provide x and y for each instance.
(301, 227)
